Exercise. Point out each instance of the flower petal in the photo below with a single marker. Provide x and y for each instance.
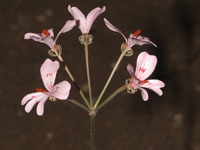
(48, 73)
(140, 40)
(130, 69)
(67, 27)
(145, 65)
(40, 106)
(93, 14)
(77, 15)
(157, 91)
(38, 38)
(30, 96)
(113, 28)
(154, 85)
(51, 32)
(28, 36)
(61, 90)
(144, 94)
(30, 105)
(32, 102)
(48, 41)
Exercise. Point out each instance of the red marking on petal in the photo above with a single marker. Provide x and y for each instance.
(49, 74)
(32, 96)
(45, 32)
(137, 33)
(143, 82)
(142, 70)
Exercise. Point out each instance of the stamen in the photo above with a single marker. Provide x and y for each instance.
(137, 33)
(45, 32)
(40, 90)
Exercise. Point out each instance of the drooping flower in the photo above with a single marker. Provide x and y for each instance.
(85, 22)
(133, 39)
(60, 91)
(145, 66)
(47, 35)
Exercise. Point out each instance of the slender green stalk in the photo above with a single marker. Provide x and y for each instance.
(109, 79)
(88, 72)
(92, 132)
(79, 104)
(73, 80)
(116, 92)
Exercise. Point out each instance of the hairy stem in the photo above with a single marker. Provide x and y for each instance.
(92, 132)
(88, 72)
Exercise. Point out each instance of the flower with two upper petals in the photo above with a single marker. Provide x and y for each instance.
(47, 35)
(85, 22)
(133, 39)
(60, 91)
(145, 66)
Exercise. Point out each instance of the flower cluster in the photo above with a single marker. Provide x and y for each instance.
(145, 63)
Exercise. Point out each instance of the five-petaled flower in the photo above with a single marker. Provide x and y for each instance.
(133, 39)
(61, 90)
(85, 22)
(47, 35)
(145, 66)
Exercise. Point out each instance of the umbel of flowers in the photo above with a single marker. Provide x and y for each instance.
(146, 64)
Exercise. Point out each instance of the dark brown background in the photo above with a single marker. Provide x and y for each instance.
(170, 122)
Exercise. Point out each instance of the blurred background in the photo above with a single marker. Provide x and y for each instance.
(169, 122)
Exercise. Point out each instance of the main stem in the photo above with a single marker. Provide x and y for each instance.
(88, 72)
(73, 80)
(109, 79)
(92, 132)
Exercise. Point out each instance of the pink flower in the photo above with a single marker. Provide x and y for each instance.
(47, 35)
(85, 22)
(134, 38)
(61, 90)
(145, 66)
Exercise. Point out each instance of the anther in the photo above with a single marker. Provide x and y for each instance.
(137, 33)
(45, 32)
